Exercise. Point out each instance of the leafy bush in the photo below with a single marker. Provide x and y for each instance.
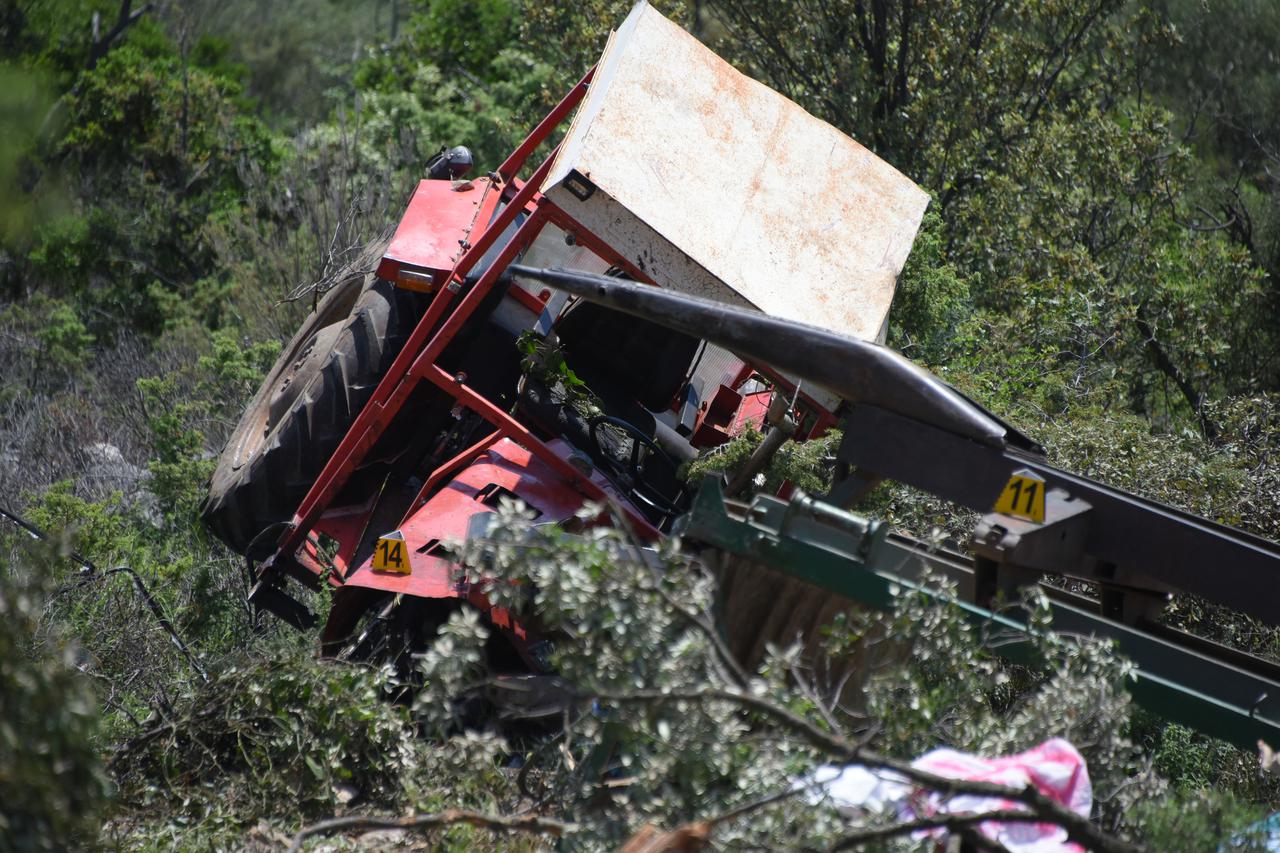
(932, 298)
(268, 732)
(57, 342)
(636, 633)
(1093, 268)
(51, 778)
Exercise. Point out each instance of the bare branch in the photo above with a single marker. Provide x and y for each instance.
(90, 572)
(127, 17)
(1168, 368)
(950, 822)
(499, 823)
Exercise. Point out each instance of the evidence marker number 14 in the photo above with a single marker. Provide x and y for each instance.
(389, 554)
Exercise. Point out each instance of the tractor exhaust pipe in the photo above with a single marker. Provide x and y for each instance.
(854, 370)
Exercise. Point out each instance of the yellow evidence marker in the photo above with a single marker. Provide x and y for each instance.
(1023, 497)
(390, 555)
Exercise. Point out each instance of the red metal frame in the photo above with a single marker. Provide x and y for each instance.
(513, 429)
(514, 163)
(451, 306)
(448, 515)
(411, 363)
(415, 360)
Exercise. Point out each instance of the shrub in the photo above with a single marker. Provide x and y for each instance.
(272, 732)
(51, 779)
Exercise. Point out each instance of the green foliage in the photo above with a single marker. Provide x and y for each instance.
(284, 730)
(1219, 78)
(293, 57)
(63, 338)
(726, 458)
(58, 341)
(224, 379)
(1059, 247)
(1189, 758)
(1068, 207)
(96, 529)
(233, 371)
(922, 675)
(25, 106)
(1205, 820)
(157, 146)
(543, 360)
(277, 736)
(932, 298)
(150, 524)
(104, 613)
(411, 107)
(1097, 266)
(929, 677)
(804, 465)
(467, 34)
(178, 469)
(51, 777)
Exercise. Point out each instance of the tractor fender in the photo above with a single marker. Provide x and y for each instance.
(460, 509)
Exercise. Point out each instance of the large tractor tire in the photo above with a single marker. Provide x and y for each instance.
(305, 406)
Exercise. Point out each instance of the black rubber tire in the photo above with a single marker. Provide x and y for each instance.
(305, 406)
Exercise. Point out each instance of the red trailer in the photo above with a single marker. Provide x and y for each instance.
(416, 398)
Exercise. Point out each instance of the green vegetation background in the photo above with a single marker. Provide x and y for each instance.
(1100, 265)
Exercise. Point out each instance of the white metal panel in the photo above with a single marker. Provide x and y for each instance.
(717, 185)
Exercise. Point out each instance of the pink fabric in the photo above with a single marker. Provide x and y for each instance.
(1056, 769)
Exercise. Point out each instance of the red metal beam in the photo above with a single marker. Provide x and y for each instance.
(514, 163)
(511, 428)
(407, 368)
(448, 469)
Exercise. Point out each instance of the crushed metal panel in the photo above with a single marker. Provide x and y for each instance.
(716, 185)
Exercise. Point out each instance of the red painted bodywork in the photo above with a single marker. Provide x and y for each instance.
(448, 514)
(436, 228)
(346, 525)
(751, 412)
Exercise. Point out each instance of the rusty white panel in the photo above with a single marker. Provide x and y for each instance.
(719, 186)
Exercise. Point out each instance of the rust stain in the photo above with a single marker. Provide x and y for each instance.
(782, 208)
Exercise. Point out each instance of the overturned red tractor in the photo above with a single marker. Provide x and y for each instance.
(416, 397)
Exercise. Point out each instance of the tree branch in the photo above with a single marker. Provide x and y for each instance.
(90, 572)
(498, 823)
(125, 19)
(950, 822)
(1168, 368)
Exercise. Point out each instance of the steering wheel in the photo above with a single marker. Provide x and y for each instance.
(638, 487)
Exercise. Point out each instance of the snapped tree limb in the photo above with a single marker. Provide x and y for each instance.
(531, 824)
